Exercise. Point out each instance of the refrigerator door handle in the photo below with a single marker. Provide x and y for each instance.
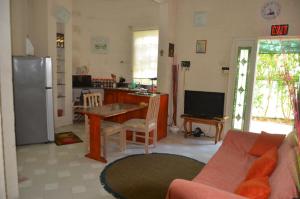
(50, 115)
(48, 65)
(47, 87)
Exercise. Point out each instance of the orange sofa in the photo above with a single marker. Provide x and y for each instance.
(229, 166)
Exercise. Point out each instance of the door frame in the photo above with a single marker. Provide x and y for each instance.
(237, 43)
(8, 160)
(243, 42)
(2, 172)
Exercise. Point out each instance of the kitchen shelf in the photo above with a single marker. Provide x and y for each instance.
(60, 70)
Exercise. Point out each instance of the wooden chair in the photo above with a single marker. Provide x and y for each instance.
(146, 125)
(107, 128)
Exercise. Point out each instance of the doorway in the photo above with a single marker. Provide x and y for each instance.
(260, 96)
(271, 105)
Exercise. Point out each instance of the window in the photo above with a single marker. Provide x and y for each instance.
(240, 96)
(145, 55)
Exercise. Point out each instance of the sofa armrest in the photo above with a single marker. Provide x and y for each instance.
(184, 189)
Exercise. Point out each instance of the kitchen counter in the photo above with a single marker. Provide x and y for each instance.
(137, 92)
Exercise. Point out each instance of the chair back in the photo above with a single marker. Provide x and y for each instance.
(153, 108)
(92, 100)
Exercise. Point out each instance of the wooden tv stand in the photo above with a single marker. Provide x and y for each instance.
(217, 122)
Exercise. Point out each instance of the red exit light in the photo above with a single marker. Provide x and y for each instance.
(277, 30)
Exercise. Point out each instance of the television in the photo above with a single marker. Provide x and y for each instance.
(204, 104)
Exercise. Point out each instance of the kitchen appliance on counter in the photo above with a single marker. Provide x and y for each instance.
(33, 99)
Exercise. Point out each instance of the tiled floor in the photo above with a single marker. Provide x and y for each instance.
(53, 172)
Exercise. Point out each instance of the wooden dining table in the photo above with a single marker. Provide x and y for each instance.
(95, 115)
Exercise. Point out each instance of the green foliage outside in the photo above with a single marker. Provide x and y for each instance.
(270, 84)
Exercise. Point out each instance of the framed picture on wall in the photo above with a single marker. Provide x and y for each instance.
(171, 50)
(201, 46)
(99, 45)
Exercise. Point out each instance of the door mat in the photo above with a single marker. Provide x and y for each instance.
(66, 138)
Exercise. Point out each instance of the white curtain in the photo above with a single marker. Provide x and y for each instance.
(145, 54)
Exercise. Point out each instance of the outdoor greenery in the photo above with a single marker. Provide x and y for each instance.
(271, 94)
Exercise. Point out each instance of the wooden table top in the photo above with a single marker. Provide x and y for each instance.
(110, 110)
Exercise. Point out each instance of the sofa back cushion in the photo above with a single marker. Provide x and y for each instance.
(282, 180)
(228, 167)
(265, 142)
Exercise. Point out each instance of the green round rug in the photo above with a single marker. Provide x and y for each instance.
(147, 176)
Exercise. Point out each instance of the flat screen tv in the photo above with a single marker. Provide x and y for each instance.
(204, 104)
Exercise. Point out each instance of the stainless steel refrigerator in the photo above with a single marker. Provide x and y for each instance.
(33, 99)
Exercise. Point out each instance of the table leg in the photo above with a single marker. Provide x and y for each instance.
(217, 133)
(221, 125)
(191, 128)
(95, 139)
(185, 128)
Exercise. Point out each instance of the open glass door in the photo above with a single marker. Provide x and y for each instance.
(239, 95)
(271, 106)
(258, 96)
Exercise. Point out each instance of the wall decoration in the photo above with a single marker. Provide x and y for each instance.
(201, 46)
(270, 10)
(60, 40)
(171, 50)
(200, 19)
(161, 52)
(62, 15)
(99, 45)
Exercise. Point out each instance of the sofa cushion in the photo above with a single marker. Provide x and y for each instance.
(264, 165)
(266, 141)
(228, 167)
(282, 180)
(256, 188)
(292, 139)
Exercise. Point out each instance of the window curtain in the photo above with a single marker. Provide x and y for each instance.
(145, 54)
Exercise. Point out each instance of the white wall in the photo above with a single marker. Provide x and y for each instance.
(29, 18)
(37, 26)
(51, 22)
(19, 28)
(226, 21)
(167, 33)
(113, 20)
(7, 107)
(2, 171)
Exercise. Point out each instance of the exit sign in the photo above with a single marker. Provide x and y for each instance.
(277, 30)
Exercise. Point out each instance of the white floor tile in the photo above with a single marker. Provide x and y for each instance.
(30, 160)
(89, 176)
(39, 171)
(52, 162)
(78, 189)
(64, 172)
(25, 184)
(50, 187)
